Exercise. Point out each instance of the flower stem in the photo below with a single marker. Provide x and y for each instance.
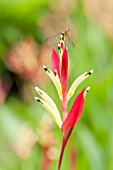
(61, 153)
(66, 136)
(64, 109)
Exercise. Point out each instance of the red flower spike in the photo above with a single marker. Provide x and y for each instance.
(55, 62)
(70, 122)
(64, 81)
(64, 72)
(75, 113)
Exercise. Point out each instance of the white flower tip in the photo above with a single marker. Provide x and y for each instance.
(46, 69)
(36, 98)
(36, 88)
(91, 71)
(87, 74)
(44, 66)
(38, 91)
(59, 46)
(88, 88)
(86, 91)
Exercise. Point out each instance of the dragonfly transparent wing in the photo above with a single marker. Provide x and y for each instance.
(54, 39)
(68, 40)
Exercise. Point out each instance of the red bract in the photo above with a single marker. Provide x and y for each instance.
(64, 81)
(60, 80)
(70, 121)
(75, 112)
(64, 70)
(55, 62)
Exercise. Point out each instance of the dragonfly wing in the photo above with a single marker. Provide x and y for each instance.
(71, 43)
(53, 39)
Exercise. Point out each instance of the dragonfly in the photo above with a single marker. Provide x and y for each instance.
(56, 38)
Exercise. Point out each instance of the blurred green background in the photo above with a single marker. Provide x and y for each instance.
(28, 137)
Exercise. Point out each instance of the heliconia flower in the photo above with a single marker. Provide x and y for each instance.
(59, 77)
